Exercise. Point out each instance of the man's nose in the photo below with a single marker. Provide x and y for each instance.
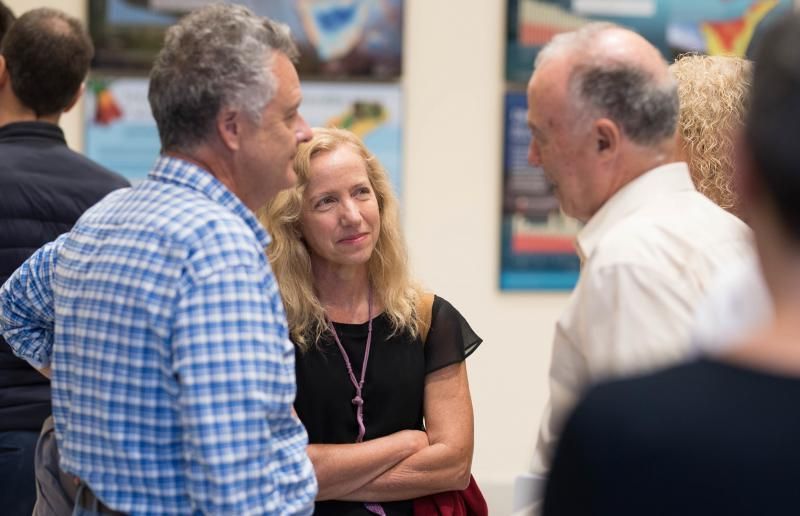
(303, 131)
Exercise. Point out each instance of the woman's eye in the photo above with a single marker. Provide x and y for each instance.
(325, 201)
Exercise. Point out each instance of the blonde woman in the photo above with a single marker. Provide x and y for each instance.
(366, 381)
(713, 93)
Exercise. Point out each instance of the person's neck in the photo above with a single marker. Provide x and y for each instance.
(220, 162)
(642, 160)
(343, 291)
(775, 346)
(12, 112)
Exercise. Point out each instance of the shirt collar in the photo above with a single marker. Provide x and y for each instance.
(672, 177)
(32, 129)
(169, 169)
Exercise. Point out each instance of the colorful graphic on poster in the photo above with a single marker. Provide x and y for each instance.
(372, 111)
(532, 23)
(337, 38)
(720, 27)
(537, 248)
(121, 133)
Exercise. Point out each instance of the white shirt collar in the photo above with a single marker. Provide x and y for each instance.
(672, 177)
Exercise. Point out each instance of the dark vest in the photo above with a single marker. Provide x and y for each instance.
(44, 188)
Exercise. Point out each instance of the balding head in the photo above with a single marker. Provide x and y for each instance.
(608, 71)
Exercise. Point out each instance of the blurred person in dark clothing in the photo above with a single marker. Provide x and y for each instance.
(44, 189)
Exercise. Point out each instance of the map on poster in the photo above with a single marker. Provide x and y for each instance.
(121, 133)
(537, 248)
(336, 38)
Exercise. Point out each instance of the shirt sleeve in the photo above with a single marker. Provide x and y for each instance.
(245, 450)
(26, 307)
(450, 338)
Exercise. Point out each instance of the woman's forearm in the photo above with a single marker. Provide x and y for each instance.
(344, 468)
(434, 469)
(445, 464)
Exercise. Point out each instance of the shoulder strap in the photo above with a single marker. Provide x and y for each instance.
(424, 309)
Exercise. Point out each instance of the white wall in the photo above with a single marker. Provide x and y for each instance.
(453, 81)
(453, 73)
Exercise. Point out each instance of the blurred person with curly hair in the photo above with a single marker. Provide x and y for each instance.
(713, 93)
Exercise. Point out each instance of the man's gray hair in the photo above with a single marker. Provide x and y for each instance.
(215, 57)
(645, 107)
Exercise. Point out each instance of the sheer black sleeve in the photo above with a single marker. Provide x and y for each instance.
(450, 339)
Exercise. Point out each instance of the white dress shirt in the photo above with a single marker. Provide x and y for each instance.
(737, 302)
(647, 256)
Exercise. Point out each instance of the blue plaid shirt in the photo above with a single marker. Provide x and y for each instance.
(173, 374)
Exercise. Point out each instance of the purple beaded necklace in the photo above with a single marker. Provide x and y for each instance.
(358, 401)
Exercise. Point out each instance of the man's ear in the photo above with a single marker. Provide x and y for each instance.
(229, 128)
(75, 98)
(606, 137)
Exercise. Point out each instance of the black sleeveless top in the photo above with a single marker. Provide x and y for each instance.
(393, 387)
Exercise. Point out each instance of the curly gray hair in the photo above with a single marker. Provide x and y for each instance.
(214, 57)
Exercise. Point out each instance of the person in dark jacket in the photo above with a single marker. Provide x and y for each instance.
(44, 189)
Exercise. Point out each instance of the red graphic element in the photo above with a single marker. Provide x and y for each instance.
(106, 108)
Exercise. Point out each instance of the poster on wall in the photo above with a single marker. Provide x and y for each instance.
(537, 240)
(337, 38)
(721, 27)
(533, 23)
(717, 27)
(121, 133)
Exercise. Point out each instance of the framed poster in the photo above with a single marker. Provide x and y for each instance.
(536, 246)
(537, 240)
(716, 27)
(337, 38)
(721, 27)
(122, 136)
(532, 23)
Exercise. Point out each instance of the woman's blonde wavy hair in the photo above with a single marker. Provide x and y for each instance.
(713, 92)
(291, 262)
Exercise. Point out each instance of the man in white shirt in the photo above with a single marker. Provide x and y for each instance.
(603, 110)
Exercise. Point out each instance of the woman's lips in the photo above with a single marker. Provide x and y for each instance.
(354, 239)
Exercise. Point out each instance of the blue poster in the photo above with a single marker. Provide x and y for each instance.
(721, 27)
(537, 242)
(122, 136)
(533, 23)
(336, 38)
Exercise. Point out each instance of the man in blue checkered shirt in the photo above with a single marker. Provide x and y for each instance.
(158, 315)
